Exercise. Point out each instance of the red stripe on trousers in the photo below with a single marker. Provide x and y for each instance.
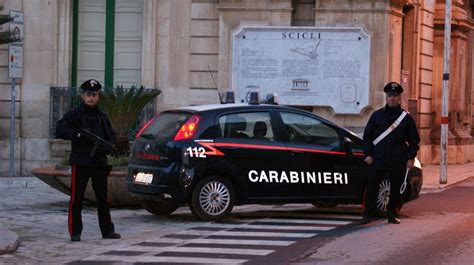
(73, 189)
(363, 199)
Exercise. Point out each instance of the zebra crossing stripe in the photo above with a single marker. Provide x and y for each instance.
(244, 233)
(333, 216)
(303, 221)
(243, 242)
(213, 249)
(282, 227)
(294, 221)
(224, 241)
(171, 259)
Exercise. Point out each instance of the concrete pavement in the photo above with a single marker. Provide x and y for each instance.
(9, 240)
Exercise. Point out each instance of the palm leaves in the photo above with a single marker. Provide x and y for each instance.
(123, 106)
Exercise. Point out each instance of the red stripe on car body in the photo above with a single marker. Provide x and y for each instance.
(272, 147)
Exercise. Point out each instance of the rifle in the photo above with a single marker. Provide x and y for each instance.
(98, 141)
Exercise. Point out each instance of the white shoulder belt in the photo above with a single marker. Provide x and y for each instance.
(390, 129)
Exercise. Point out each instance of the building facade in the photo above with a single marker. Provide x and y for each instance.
(185, 48)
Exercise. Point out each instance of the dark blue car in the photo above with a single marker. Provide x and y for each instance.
(213, 157)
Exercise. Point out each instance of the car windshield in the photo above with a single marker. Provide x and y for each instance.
(165, 126)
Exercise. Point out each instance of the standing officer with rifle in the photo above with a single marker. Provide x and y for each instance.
(91, 136)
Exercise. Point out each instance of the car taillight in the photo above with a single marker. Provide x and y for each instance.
(188, 129)
(144, 127)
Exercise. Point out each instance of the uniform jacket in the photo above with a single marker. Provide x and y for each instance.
(398, 146)
(84, 117)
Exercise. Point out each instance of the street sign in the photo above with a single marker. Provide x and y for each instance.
(15, 70)
(15, 61)
(16, 25)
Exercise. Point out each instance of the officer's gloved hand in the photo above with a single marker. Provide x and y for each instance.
(80, 138)
(76, 137)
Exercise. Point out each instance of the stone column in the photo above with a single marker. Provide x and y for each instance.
(41, 62)
(172, 52)
(149, 43)
(425, 82)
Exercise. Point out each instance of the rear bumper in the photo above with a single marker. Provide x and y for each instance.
(164, 186)
(155, 192)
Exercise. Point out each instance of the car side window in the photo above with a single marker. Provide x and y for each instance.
(248, 125)
(307, 130)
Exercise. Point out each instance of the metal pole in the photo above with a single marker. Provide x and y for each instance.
(12, 131)
(444, 113)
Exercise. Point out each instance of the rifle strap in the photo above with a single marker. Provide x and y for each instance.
(390, 128)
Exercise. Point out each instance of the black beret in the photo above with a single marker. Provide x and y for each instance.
(393, 87)
(91, 85)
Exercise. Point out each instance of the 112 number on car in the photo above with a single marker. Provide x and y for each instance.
(196, 152)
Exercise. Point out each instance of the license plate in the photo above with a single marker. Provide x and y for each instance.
(143, 178)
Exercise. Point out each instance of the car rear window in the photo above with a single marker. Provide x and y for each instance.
(165, 126)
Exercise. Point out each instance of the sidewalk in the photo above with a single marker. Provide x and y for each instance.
(456, 173)
(9, 240)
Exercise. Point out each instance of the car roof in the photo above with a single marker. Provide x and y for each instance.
(201, 108)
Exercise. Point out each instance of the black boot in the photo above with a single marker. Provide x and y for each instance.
(75, 238)
(392, 217)
(111, 235)
(393, 220)
(365, 220)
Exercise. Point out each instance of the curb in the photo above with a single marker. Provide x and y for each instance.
(22, 182)
(9, 241)
(441, 187)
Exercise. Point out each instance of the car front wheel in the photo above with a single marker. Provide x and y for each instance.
(383, 196)
(212, 198)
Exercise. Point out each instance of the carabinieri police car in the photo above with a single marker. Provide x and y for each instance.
(213, 157)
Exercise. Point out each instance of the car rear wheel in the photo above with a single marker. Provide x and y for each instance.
(159, 207)
(212, 198)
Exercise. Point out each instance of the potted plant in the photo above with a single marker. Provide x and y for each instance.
(123, 107)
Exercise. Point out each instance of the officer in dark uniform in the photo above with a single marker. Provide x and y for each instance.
(392, 155)
(87, 161)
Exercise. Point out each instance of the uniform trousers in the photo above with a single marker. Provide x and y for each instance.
(375, 175)
(79, 178)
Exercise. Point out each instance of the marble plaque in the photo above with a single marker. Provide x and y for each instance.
(304, 66)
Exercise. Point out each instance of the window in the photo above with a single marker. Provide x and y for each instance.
(307, 130)
(107, 42)
(250, 125)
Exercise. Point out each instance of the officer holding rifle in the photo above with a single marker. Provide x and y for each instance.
(92, 137)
